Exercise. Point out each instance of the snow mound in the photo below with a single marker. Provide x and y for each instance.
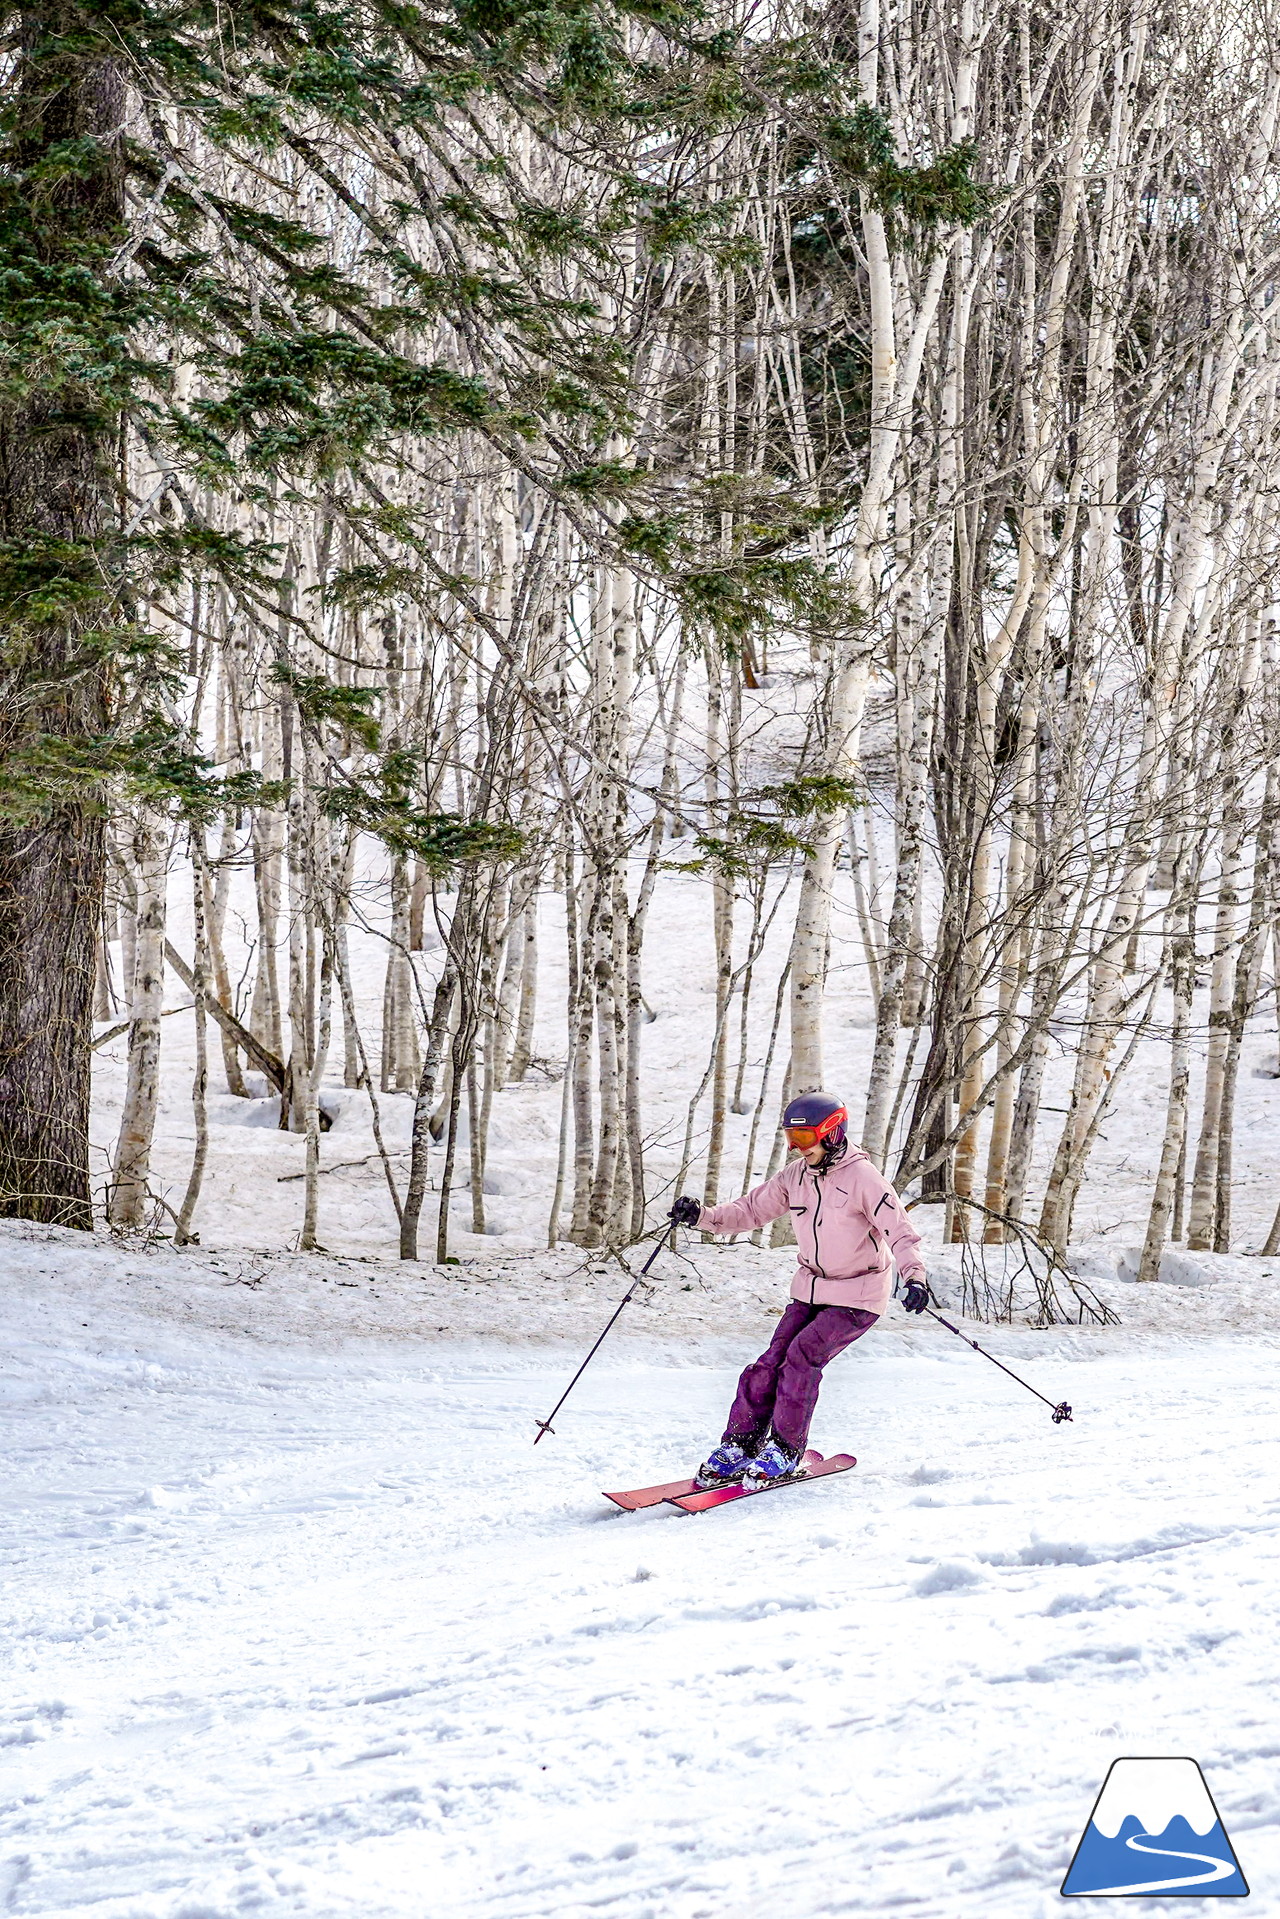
(225, 1109)
(1106, 1264)
(948, 1576)
(1176, 1268)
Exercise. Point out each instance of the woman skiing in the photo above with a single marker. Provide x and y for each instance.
(850, 1228)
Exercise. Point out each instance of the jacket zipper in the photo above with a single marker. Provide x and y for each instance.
(817, 1215)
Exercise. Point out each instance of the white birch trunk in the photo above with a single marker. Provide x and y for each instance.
(130, 1191)
(1184, 965)
(182, 1233)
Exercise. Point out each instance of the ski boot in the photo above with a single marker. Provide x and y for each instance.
(724, 1467)
(774, 1462)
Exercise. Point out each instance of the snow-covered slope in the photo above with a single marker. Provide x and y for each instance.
(298, 1621)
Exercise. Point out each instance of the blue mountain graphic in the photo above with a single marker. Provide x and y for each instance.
(1177, 1860)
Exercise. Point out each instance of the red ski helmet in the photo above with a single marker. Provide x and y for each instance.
(815, 1119)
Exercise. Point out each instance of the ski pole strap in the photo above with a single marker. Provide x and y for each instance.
(544, 1425)
(1060, 1412)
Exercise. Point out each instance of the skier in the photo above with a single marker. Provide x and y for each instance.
(850, 1227)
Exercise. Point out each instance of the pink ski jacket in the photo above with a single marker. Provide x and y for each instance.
(850, 1227)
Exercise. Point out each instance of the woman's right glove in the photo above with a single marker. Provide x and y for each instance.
(915, 1295)
(686, 1211)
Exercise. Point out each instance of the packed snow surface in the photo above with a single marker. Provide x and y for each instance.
(298, 1620)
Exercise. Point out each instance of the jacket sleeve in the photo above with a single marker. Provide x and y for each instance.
(890, 1219)
(755, 1208)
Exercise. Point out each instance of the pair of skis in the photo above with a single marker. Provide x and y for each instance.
(684, 1495)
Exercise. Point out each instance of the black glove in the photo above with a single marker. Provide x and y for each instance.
(686, 1211)
(916, 1296)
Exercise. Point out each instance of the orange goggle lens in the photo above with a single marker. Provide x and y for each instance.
(803, 1136)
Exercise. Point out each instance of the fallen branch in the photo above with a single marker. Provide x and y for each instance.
(254, 1051)
(122, 1026)
(342, 1164)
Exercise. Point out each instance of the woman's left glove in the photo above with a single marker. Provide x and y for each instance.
(916, 1296)
(686, 1211)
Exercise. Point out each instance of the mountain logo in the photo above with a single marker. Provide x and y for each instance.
(1154, 1829)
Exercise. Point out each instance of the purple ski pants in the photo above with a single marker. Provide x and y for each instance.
(780, 1389)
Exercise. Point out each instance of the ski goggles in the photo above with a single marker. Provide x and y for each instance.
(803, 1137)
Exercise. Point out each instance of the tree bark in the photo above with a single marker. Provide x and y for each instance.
(1184, 968)
(182, 1233)
(56, 485)
(129, 1182)
(307, 1241)
(527, 1009)
(421, 1141)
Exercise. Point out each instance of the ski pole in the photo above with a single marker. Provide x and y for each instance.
(1060, 1412)
(544, 1425)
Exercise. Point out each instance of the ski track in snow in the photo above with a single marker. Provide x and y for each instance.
(314, 1629)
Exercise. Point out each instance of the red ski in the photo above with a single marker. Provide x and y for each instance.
(682, 1488)
(815, 1467)
(650, 1495)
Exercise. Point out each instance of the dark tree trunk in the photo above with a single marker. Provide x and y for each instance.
(50, 890)
(931, 1116)
(57, 505)
(953, 801)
